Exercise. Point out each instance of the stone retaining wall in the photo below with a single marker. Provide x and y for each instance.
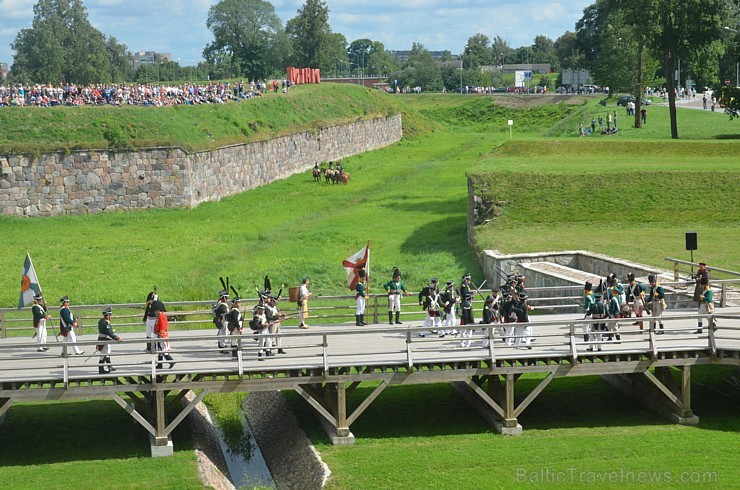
(289, 454)
(95, 181)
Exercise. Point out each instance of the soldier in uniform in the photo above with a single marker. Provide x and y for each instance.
(161, 330)
(448, 300)
(636, 296)
(706, 303)
(701, 273)
(614, 309)
(40, 315)
(149, 318)
(597, 311)
(429, 301)
(260, 324)
(236, 323)
(395, 288)
(105, 332)
(360, 299)
(508, 317)
(588, 300)
(466, 310)
(656, 300)
(490, 314)
(273, 316)
(220, 318)
(521, 308)
(67, 324)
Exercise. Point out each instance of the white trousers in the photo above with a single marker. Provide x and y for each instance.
(71, 338)
(450, 319)
(467, 335)
(432, 321)
(223, 331)
(265, 342)
(394, 302)
(41, 333)
(360, 306)
(524, 335)
(276, 341)
(150, 326)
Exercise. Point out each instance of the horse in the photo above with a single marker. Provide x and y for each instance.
(342, 178)
(328, 174)
(317, 175)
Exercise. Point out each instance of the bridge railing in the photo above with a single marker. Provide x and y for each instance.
(339, 309)
(347, 347)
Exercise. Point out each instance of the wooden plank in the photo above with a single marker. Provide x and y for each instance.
(136, 415)
(487, 399)
(367, 402)
(316, 405)
(668, 393)
(185, 411)
(533, 394)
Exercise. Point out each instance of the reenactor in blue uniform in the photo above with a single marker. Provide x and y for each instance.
(429, 298)
(105, 332)
(448, 299)
(220, 318)
(236, 323)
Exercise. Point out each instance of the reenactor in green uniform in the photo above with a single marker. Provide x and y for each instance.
(395, 288)
(656, 300)
(360, 296)
(706, 303)
(40, 315)
(105, 332)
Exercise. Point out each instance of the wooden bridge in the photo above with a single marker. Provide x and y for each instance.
(326, 363)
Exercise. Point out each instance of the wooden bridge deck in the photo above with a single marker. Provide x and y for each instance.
(320, 363)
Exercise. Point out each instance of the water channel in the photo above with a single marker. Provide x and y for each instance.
(247, 467)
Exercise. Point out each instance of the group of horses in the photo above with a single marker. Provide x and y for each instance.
(333, 175)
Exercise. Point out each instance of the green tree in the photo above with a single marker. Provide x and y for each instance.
(566, 49)
(420, 70)
(61, 46)
(501, 51)
(543, 51)
(119, 58)
(335, 48)
(477, 52)
(381, 61)
(309, 33)
(682, 27)
(247, 33)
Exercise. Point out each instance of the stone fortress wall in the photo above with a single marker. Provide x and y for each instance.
(88, 182)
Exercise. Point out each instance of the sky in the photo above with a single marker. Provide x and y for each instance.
(179, 26)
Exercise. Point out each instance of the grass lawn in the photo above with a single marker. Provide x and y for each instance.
(410, 201)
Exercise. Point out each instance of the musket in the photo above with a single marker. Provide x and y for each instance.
(479, 288)
(502, 273)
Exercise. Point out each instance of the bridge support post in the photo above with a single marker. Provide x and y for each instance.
(495, 405)
(659, 392)
(162, 443)
(5, 404)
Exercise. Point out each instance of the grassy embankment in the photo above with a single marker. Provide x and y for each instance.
(410, 201)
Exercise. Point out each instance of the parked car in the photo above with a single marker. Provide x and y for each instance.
(631, 98)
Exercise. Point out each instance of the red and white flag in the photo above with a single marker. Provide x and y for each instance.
(356, 262)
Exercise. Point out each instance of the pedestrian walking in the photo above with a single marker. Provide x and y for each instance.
(67, 325)
(105, 332)
(40, 315)
(161, 330)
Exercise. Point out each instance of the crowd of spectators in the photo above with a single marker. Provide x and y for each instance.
(132, 94)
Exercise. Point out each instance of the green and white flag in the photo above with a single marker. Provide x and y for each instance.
(29, 283)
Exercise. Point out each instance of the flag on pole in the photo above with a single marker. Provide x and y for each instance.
(356, 262)
(29, 283)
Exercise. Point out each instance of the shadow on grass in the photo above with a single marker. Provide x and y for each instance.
(727, 137)
(446, 235)
(567, 403)
(59, 432)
